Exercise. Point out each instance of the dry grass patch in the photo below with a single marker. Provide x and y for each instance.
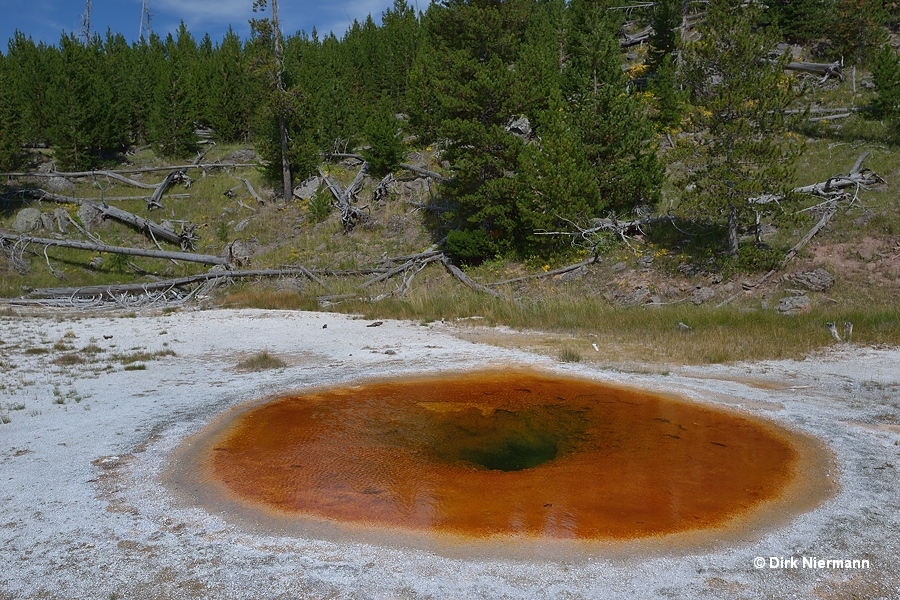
(68, 360)
(261, 362)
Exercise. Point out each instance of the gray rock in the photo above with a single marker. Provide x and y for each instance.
(28, 220)
(59, 185)
(702, 294)
(308, 189)
(62, 220)
(816, 281)
(520, 127)
(639, 296)
(89, 216)
(573, 275)
(793, 304)
(47, 221)
(291, 284)
(242, 225)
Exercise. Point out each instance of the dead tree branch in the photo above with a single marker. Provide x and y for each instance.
(350, 215)
(166, 284)
(457, 272)
(176, 176)
(833, 186)
(554, 272)
(185, 239)
(94, 247)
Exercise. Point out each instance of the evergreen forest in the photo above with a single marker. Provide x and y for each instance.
(545, 116)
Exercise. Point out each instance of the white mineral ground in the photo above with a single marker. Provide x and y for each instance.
(84, 512)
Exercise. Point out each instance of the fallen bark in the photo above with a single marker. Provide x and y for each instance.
(97, 247)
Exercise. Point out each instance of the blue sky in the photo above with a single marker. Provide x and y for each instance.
(45, 20)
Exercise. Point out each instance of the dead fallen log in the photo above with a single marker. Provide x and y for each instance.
(176, 176)
(833, 186)
(788, 257)
(253, 193)
(408, 167)
(424, 172)
(635, 39)
(611, 225)
(462, 277)
(165, 284)
(554, 272)
(81, 174)
(185, 239)
(420, 260)
(97, 247)
(827, 70)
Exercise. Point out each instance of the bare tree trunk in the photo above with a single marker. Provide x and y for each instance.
(282, 122)
(732, 232)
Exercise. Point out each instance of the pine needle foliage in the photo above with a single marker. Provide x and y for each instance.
(742, 140)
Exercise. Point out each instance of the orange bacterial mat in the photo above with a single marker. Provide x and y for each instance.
(500, 453)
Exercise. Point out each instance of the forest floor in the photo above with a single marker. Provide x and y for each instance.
(95, 405)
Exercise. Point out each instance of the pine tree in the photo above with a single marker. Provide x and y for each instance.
(615, 127)
(80, 98)
(802, 21)
(11, 132)
(886, 73)
(30, 79)
(857, 31)
(469, 84)
(386, 149)
(175, 110)
(557, 182)
(742, 138)
(231, 91)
